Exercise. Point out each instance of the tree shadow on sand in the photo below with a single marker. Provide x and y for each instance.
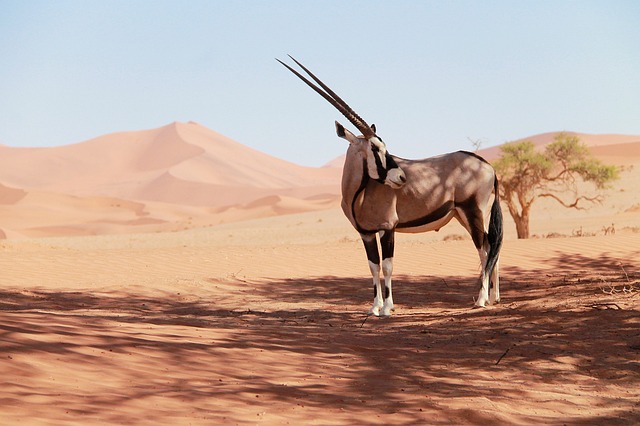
(307, 342)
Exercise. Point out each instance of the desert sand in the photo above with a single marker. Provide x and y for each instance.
(128, 305)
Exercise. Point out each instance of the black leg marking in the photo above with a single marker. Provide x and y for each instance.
(387, 242)
(371, 247)
(477, 231)
(370, 242)
(474, 219)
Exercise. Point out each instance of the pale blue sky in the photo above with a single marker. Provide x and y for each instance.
(429, 74)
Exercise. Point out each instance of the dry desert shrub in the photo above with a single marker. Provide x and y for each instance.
(454, 237)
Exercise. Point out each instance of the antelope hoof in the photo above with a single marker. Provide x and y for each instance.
(387, 309)
(480, 304)
(483, 299)
(375, 310)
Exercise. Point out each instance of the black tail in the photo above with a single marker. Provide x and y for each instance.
(495, 233)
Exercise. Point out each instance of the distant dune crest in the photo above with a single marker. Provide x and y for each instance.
(176, 176)
(591, 140)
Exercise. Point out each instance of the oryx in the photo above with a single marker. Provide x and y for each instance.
(382, 194)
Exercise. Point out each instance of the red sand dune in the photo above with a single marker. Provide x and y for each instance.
(164, 164)
(181, 174)
(591, 140)
(184, 175)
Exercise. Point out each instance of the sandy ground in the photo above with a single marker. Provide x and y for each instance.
(140, 285)
(263, 322)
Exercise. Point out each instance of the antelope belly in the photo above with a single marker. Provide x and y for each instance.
(428, 225)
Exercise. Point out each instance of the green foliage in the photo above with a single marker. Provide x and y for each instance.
(593, 171)
(523, 165)
(526, 174)
(572, 158)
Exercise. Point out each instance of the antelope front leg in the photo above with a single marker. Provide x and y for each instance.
(387, 245)
(371, 246)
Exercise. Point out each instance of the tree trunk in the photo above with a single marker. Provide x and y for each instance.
(522, 225)
(521, 219)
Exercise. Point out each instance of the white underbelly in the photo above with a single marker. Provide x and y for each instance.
(431, 226)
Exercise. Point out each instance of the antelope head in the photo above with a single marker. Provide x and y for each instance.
(381, 166)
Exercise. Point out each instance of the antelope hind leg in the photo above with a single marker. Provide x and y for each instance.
(494, 294)
(483, 296)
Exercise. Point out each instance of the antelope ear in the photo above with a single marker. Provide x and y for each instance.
(373, 127)
(345, 134)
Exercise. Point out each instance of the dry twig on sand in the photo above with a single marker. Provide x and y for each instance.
(630, 288)
(605, 305)
(503, 355)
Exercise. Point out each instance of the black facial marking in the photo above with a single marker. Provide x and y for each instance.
(382, 172)
(391, 163)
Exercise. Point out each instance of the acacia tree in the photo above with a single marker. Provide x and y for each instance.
(526, 174)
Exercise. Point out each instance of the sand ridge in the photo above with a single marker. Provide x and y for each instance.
(184, 175)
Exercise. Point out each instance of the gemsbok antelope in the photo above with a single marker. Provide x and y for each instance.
(382, 194)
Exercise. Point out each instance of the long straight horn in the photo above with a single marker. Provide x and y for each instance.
(332, 98)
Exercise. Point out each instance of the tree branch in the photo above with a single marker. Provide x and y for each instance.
(574, 205)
